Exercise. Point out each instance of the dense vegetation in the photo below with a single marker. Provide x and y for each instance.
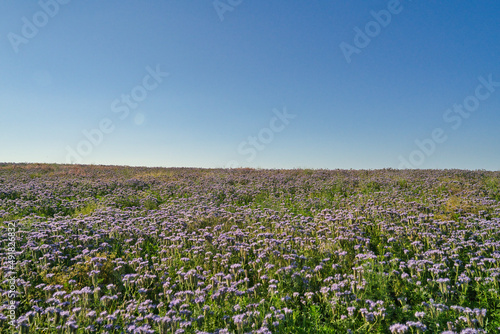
(150, 250)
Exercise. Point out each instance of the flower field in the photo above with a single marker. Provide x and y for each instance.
(97, 249)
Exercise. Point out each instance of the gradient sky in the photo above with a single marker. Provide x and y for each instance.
(231, 69)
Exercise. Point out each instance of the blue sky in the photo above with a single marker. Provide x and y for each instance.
(251, 83)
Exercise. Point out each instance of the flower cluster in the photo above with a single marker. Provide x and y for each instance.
(151, 250)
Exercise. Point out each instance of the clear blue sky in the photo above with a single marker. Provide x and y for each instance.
(353, 101)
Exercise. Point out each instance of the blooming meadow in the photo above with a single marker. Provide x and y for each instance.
(98, 249)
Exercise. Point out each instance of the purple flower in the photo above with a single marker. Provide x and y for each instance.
(398, 329)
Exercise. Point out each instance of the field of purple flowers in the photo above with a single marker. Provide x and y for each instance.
(95, 249)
